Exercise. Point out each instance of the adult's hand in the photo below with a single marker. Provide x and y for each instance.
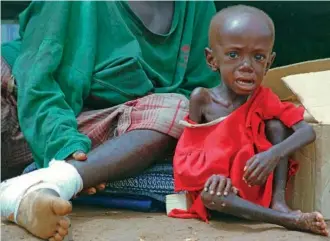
(79, 156)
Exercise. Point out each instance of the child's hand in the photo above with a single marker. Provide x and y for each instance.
(259, 167)
(220, 185)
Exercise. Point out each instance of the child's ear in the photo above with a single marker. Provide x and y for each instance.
(210, 60)
(270, 62)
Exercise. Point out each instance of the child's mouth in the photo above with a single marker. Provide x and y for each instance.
(248, 83)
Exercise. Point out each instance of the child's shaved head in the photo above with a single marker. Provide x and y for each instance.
(238, 18)
(241, 40)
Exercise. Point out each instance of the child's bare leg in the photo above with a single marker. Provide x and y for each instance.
(118, 158)
(234, 205)
(276, 132)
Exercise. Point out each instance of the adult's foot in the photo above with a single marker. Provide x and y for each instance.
(43, 214)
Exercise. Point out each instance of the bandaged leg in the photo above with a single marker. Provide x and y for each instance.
(38, 201)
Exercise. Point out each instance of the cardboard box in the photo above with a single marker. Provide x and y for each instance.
(298, 83)
(179, 201)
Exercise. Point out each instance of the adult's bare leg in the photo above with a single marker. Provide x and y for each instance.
(42, 212)
(234, 205)
(124, 156)
(123, 164)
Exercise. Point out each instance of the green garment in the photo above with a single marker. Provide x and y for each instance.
(71, 51)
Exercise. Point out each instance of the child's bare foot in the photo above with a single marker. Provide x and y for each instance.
(283, 207)
(43, 213)
(311, 222)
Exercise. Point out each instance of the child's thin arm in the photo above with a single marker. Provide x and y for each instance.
(303, 135)
(259, 167)
(197, 101)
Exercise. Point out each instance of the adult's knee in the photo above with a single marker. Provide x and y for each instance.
(276, 131)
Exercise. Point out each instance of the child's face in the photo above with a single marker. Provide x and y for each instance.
(243, 56)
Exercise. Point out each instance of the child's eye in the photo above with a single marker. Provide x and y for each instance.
(232, 55)
(259, 57)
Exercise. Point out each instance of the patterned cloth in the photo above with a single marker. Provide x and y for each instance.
(15, 152)
(159, 112)
(156, 182)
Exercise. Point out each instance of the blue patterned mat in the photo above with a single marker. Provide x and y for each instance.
(156, 182)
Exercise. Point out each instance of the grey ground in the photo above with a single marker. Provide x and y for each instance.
(95, 224)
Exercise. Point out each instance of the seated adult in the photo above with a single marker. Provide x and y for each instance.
(137, 60)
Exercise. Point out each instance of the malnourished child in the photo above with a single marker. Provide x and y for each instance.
(233, 156)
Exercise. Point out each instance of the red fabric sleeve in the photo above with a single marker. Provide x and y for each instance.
(287, 112)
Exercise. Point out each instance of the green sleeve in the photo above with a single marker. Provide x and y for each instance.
(10, 50)
(47, 116)
(198, 74)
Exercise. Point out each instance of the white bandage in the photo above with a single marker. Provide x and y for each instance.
(65, 177)
(60, 176)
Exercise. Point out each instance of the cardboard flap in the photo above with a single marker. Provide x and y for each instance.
(313, 91)
(274, 75)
